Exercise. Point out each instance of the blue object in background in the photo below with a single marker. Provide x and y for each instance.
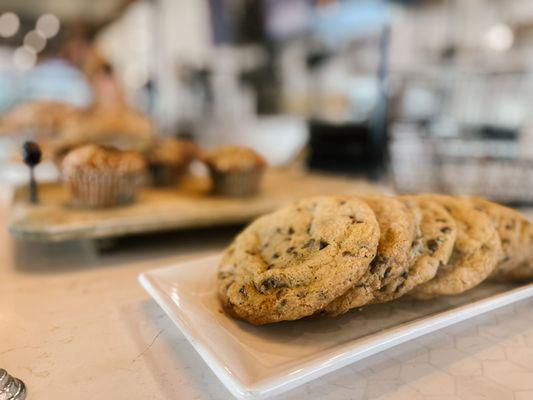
(56, 80)
(339, 22)
(50, 80)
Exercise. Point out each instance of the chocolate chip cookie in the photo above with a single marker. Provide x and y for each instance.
(397, 230)
(524, 271)
(512, 230)
(291, 263)
(476, 252)
(431, 248)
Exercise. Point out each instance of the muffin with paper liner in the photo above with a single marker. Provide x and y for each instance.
(100, 176)
(168, 160)
(235, 171)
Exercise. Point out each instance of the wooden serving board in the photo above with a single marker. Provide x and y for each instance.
(187, 206)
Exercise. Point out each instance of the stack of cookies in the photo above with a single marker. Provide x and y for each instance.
(328, 255)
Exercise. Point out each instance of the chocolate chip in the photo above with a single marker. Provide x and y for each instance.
(291, 230)
(275, 255)
(373, 266)
(380, 259)
(355, 220)
(269, 283)
(342, 202)
(446, 229)
(433, 245)
(399, 287)
(348, 254)
(323, 244)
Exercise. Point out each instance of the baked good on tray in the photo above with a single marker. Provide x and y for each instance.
(168, 160)
(292, 263)
(327, 255)
(42, 118)
(397, 231)
(524, 270)
(235, 171)
(119, 127)
(101, 176)
(430, 250)
(512, 228)
(475, 254)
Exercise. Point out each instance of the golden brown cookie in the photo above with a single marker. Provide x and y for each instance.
(291, 263)
(476, 252)
(512, 228)
(431, 249)
(524, 271)
(397, 230)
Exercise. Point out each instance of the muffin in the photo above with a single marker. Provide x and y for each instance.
(100, 176)
(169, 159)
(235, 171)
(57, 150)
(42, 118)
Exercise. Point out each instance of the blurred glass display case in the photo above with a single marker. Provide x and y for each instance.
(486, 162)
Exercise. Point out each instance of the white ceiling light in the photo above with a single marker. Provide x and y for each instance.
(48, 25)
(499, 37)
(9, 24)
(34, 41)
(24, 59)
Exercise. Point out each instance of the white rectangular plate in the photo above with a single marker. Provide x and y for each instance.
(257, 362)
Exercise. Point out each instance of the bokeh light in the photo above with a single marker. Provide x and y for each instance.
(34, 41)
(48, 25)
(9, 24)
(499, 37)
(24, 58)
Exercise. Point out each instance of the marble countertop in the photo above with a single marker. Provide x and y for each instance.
(75, 324)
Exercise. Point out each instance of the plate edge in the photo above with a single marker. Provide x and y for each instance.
(234, 385)
(273, 386)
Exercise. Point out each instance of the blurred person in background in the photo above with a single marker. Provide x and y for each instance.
(73, 96)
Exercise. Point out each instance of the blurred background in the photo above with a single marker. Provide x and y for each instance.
(422, 95)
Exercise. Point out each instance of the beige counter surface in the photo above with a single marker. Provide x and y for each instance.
(75, 324)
